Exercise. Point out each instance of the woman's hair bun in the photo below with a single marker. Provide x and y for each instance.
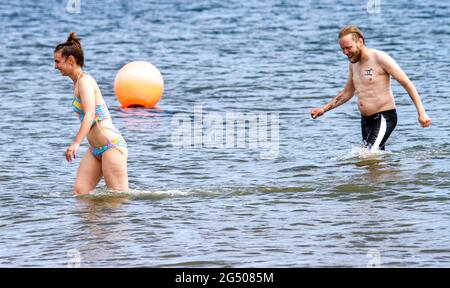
(73, 38)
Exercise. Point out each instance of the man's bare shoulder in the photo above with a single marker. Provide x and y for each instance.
(380, 56)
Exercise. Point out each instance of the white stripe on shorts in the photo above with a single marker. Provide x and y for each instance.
(380, 135)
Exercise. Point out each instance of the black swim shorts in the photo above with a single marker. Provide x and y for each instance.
(377, 128)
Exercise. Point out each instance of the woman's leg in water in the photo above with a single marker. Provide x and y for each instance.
(114, 167)
(88, 174)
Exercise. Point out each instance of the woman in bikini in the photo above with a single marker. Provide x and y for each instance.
(108, 153)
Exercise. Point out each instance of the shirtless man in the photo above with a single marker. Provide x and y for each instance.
(369, 79)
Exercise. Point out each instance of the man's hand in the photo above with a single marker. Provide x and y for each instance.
(317, 112)
(424, 120)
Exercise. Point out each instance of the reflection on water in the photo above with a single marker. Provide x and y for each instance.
(99, 201)
(100, 219)
(379, 172)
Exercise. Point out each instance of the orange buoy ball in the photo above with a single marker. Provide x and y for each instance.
(139, 83)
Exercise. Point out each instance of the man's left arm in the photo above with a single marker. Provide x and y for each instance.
(391, 67)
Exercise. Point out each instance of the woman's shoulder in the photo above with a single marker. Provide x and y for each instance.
(87, 79)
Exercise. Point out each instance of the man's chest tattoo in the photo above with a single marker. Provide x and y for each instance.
(368, 72)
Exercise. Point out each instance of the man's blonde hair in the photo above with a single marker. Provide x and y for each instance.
(354, 30)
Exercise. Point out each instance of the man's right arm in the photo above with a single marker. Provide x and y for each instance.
(340, 99)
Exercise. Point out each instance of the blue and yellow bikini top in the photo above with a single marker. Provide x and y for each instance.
(101, 111)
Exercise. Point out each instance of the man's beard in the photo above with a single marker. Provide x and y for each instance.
(355, 58)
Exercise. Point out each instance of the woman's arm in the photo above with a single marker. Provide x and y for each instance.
(86, 92)
(87, 96)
